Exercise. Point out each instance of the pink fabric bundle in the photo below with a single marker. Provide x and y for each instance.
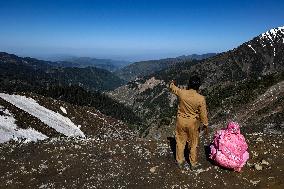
(229, 148)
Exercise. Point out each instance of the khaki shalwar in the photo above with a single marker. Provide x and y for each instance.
(191, 111)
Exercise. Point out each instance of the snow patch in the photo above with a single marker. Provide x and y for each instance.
(10, 131)
(274, 51)
(63, 110)
(55, 120)
(252, 48)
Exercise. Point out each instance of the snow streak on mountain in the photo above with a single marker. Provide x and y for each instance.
(9, 130)
(55, 120)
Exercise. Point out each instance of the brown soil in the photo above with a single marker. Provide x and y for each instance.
(133, 163)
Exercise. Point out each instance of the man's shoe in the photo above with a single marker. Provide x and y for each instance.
(194, 166)
(180, 165)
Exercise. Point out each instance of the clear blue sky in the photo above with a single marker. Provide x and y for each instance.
(132, 29)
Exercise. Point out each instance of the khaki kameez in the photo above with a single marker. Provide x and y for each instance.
(191, 112)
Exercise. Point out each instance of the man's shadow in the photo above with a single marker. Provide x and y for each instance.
(173, 143)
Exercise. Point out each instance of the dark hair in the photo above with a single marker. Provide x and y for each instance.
(194, 82)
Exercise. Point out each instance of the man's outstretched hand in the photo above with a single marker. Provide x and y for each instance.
(173, 81)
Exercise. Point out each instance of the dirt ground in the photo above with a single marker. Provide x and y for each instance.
(112, 156)
(134, 163)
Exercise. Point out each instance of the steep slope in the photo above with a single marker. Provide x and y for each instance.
(34, 117)
(55, 120)
(145, 68)
(75, 85)
(78, 96)
(231, 81)
(9, 130)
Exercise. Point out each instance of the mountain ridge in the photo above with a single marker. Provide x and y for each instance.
(230, 80)
(145, 68)
(80, 86)
(90, 78)
(82, 62)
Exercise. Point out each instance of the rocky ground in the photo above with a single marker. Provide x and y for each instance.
(113, 156)
(134, 163)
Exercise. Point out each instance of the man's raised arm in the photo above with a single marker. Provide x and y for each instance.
(174, 89)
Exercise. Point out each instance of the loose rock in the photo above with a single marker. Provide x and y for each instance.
(263, 162)
(153, 169)
(258, 167)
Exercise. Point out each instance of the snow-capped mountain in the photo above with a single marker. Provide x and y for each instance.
(275, 34)
(268, 48)
(269, 38)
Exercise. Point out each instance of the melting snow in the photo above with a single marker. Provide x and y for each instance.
(55, 120)
(272, 34)
(10, 131)
(252, 48)
(63, 110)
(274, 51)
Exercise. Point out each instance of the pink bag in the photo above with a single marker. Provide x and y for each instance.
(229, 148)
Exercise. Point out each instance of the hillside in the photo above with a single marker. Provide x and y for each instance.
(232, 81)
(20, 72)
(74, 85)
(145, 68)
(83, 62)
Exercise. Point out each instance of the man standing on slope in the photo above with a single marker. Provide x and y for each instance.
(191, 111)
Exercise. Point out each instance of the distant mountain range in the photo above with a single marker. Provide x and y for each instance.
(144, 68)
(34, 72)
(83, 62)
(125, 69)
